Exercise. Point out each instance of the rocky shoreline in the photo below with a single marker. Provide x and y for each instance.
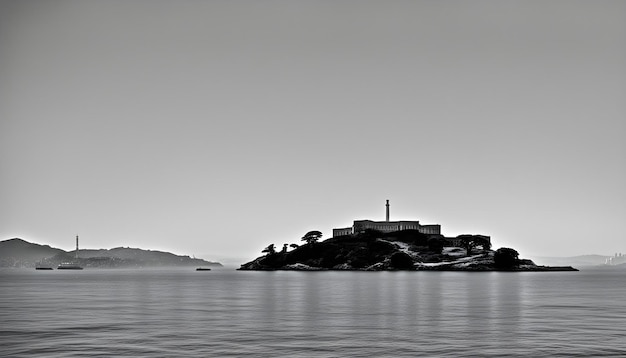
(482, 268)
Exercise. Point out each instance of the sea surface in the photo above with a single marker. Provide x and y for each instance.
(227, 313)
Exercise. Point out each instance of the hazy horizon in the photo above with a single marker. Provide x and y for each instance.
(212, 129)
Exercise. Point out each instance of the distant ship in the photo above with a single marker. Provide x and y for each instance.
(71, 265)
(68, 266)
(41, 266)
(203, 269)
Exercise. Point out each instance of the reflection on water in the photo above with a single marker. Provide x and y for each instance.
(230, 313)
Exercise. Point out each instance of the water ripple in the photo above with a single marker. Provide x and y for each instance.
(156, 313)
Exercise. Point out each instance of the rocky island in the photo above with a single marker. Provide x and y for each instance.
(402, 250)
(394, 245)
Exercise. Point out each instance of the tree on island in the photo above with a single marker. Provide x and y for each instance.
(312, 236)
(469, 242)
(505, 258)
(270, 250)
(401, 261)
(485, 243)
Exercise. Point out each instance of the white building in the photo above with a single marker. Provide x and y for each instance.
(386, 226)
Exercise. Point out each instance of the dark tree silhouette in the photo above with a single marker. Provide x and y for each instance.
(469, 242)
(505, 258)
(312, 236)
(270, 249)
(401, 261)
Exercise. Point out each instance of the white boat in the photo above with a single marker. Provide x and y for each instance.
(69, 266)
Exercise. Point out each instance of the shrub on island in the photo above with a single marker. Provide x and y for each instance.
(505, 258)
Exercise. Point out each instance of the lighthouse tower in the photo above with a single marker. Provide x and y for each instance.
(77, 247)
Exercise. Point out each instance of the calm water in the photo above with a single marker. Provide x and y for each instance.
(181, 312)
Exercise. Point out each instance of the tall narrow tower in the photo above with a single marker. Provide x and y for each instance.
(387, 205)
(77, 247)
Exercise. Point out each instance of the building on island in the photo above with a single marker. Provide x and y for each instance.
(386, 226)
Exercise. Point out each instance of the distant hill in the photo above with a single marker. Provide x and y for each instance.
(19, 253)
(16, 250)
(144, 257)
(581, 260)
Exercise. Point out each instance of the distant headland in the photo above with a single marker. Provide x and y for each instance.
(394, 245)
(19, 253)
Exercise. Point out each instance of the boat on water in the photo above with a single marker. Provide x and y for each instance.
(42, 266)
(69, 266)
(203, 269)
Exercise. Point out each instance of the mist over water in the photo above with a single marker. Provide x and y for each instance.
(181, 312)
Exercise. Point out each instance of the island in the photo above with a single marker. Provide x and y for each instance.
(394, 245)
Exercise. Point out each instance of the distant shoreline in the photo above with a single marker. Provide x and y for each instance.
(20, 253)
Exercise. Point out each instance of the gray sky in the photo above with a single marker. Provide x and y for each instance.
(214, 128)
